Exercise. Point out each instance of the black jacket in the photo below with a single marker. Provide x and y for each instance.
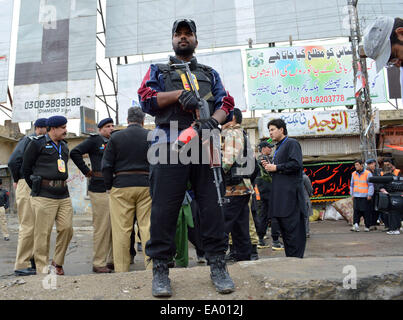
(287, 194)
(126, 151)
(94, 146)
(4, 199)
(40, 159)
(15, 161)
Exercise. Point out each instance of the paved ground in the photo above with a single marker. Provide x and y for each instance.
(377, 256)
(328, 239)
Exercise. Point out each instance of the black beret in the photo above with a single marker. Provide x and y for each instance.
(56, 121)
(41, 122)
(104, 122)
(264, 144)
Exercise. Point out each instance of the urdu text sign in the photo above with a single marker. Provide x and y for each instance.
(310, 76)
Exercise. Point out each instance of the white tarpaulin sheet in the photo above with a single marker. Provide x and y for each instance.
(56, 59)
(6, 18)
(143, 26)
(227, 63)
(138, 26)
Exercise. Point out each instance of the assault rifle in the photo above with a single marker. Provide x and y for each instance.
(194, 132)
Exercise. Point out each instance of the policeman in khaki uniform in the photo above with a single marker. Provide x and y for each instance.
(94, 146)
(24, 262)
(125, 169)
(45, 171)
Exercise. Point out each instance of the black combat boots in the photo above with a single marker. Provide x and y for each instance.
(161, 283)
(254, 255)
(219, 274)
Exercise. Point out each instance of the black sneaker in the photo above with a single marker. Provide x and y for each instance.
(276, 246)
(33, 265)
(201, 259)
(6, 238)
(161, 286)
(219, 275)
(230, 257)
(262, 244)
(25, 272)
(171, 264)
(254, 255)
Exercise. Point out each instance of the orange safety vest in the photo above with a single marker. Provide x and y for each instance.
(360, 182)
(395, 172)
(257, 193)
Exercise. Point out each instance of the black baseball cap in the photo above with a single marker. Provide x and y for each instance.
(265, 144)
(180, 22)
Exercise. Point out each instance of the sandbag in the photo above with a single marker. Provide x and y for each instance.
(345, 208)
(314, 216)
(331, 213)
(317, 215)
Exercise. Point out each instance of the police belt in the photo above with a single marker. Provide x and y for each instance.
(54, 183)
(97, 174)
(131, 172)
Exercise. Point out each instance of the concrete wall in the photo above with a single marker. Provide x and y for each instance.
(6, 149)
(77, 182)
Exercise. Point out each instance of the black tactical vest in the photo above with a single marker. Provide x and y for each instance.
(46, 162)
(173, 81)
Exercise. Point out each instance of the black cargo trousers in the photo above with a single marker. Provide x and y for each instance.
(168, 183)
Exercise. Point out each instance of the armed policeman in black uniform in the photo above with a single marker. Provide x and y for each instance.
(94, 146)
(45, 171)
(24, 261)
(164, 93)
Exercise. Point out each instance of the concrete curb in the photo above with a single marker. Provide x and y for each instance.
(265, 279)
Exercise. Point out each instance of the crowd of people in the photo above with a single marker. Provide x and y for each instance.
(365, 196)
(141, 177)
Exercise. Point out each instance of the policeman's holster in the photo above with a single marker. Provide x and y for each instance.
(36, 185)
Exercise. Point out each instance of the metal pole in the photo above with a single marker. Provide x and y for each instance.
(103, 93)
(363, 99)
(110, 65)
(5, 113)
(250, 42)
(9, 96)
(6, 108)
